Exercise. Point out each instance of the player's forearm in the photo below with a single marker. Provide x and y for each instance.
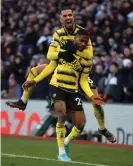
(48, 70)
(52, 53)
(85, 86)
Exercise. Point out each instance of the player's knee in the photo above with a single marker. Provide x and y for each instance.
(61, 116)
(60, 111)
(40, 68)
(80, 125)
(33, 71)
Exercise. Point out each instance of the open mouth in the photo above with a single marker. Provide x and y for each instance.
(69, 22)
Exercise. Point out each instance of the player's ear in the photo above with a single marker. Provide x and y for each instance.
(75, 39)
(60, 19)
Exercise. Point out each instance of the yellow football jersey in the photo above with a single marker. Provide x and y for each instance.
(61, 36)
(67, 74)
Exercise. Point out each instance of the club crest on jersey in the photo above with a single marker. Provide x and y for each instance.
(75, 64)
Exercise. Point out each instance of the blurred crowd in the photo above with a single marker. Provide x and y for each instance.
(26, 32)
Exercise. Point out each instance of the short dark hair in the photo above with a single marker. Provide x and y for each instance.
(64, 8)
(115, 64)
(82, 32)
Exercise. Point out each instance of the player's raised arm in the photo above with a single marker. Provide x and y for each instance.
(53, 49)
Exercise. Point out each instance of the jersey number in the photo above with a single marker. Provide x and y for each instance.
(78, 100)
(90, 81)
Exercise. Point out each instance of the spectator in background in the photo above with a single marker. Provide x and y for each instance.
(114, 84)
(44, 41)
(31, 37)
(98, 59)
(18, 70)
(128, 54)
(100, 45)
(112, 45)
(130, 17)
(4, 82)
(128, 79)
(26, 28)
(99, 78)
(107, 62)
(12, 91)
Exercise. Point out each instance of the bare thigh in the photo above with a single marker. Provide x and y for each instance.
(78, 118)
(60, 110)
(40, 68)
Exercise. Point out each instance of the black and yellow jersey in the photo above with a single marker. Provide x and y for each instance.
(61, 36)
(68, 75)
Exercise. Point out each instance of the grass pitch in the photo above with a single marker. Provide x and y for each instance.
(33, 152)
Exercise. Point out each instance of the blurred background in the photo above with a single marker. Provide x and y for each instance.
(26, 32)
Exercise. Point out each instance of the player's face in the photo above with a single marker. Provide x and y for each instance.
(81, 42)
(67, 19)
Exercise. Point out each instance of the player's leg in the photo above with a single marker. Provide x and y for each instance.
(58, 101)
(21, 104)
(99, 114)
(78, 117)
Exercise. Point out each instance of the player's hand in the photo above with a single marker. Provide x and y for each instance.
(28, 84)
(97, 100)
(69, 46)
(67, 56)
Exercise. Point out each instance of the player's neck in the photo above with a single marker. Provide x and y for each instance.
(70, 31)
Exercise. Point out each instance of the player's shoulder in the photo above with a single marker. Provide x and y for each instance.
(89, 54)
(60, 31)
(78, 27)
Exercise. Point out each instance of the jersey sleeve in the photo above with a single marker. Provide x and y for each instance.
(88, 51)
(84, 83)
(53, 48)
(84, 78)
(48, 70)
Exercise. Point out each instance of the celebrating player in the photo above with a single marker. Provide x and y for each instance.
(71, 69)
(68, 31)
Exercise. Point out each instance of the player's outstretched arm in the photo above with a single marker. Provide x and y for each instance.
(84, 85)
(86, 88)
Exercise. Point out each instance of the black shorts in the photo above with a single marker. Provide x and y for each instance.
(73, 100)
